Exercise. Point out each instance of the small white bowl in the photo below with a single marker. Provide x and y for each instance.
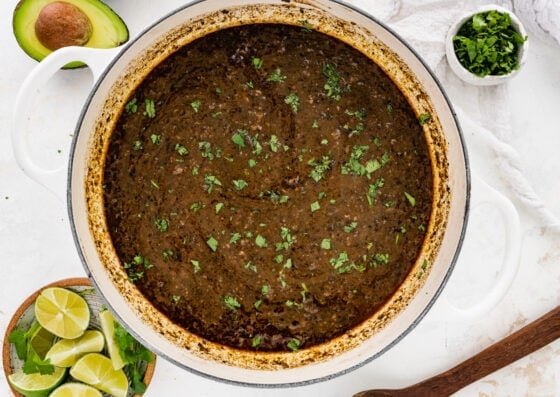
(465, 74)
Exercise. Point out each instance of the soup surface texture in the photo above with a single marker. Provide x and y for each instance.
(268, 187)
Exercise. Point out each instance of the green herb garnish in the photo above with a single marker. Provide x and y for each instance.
(424, 118)
(315, 206)
(256, 340)
(196, 105)
(240, 184)
(488, 44)
(150, 108)
(320, 167)
(306, 26)
(167, 254)
(196, 265)
(411, 200)
(210, 181)
(277, 76)
(332, 86)
(294, 344)
(251, 266)
(359, 114)
(135, 268)
(274, 144)
(212, 243)
(181, 150)
(350, 227)
(378, 259)
(162, 224)
(342, 264)
(206, 150)
(292, 100)
(257, 63)
(239, 138)
(156, 139)
(134, 354)
(389, 109)
(231, 302)
(260, 241)
(235, 237)
(131, 106)
(373, 190)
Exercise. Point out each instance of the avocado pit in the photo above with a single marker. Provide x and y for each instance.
(61, 24)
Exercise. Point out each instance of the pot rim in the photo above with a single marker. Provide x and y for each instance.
(435, 295)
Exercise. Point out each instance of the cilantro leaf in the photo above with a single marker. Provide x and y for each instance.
(34, 364)
(134, 354)
(19, 339)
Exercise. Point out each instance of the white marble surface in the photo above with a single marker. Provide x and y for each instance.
(36, 246)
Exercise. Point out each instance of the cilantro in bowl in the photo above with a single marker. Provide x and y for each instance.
(488, 44)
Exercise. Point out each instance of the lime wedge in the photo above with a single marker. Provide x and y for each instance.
(97, 370)
(62, 312)
(41, 341)
(66, 352)
(74, 389)
(36, 385)
(107, 321)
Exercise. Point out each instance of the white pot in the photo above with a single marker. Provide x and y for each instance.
(128, 66)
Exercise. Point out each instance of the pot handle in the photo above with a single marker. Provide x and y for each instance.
(97, 60)
(483, 193)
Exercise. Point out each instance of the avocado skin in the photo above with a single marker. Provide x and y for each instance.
(109, 30)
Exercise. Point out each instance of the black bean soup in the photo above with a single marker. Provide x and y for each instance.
(268, 187)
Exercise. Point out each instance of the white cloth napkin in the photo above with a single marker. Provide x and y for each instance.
(424, 24)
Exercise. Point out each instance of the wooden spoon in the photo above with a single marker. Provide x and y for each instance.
(531, 337)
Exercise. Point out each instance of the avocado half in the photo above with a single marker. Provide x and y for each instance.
(107, 30)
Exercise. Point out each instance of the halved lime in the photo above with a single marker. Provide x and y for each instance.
(66, 352)
(75, 389)
(41, 341)
(97, 370)
(62, 312)
(36, 385)
(107, 321)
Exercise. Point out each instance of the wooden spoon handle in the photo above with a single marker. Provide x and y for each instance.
(528, 339)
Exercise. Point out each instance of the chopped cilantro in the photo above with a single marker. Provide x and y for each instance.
(231, 302)
(332, 86)
(488, 44)
(150, 108)
(212, 243)
(196, 105)
(196, 265)
(277, 76)
(260, 241)
(411, 200)
(240, 184)
(133, 354)
(257, 63)
(315, 206)
(424, 118)
(293, 100)
(131, 106)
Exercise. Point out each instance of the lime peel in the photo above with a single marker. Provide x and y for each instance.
(75, 389)
(35, 384)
